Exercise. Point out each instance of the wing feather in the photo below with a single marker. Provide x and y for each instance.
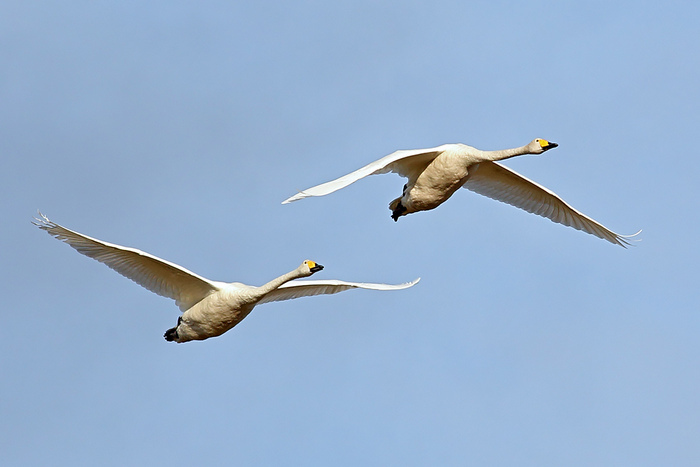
(155, 274)
(296, 289)
(503, 184)
(405, 162)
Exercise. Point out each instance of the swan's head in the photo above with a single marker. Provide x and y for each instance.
(539, 145)
(309, 267)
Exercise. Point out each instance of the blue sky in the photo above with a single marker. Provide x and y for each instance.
(179, 127)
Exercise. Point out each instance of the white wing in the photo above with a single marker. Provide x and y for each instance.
(296, 289)
(403, 162)
(155, 274)
(503, 184)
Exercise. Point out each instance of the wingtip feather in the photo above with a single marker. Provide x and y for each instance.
(626, 240)
(43, 222)
(407, 285)
(297, 197)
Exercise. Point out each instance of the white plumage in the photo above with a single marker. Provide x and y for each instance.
(209, 308)
(435, 174)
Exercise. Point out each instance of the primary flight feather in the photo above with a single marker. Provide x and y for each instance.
(210, 308)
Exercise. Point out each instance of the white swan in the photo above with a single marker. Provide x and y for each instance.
(210, 308)
(434, 174)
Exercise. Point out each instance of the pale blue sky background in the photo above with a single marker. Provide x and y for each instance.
(179, 127)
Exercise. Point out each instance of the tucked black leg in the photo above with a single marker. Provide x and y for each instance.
(171, 334)
(398, 212)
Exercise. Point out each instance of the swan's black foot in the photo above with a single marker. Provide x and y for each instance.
(171, 334)
(398, 212)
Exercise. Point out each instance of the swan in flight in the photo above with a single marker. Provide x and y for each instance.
(210, 308)
(435, 174)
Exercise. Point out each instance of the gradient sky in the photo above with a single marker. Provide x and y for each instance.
(179, 127)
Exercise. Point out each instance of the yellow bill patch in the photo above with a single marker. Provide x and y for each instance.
(544, 143)
(311, 264)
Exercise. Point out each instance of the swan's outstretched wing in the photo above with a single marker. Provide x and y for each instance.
(155, 274)
(296, 289)
(503, 184)
(406, 163)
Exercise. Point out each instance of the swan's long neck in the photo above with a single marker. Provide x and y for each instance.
(505, 153)
(275, 283)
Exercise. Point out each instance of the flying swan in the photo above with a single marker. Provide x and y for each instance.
(435, 174)
(210, 308)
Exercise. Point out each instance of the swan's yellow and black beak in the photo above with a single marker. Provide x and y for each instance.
(547, 145)
(314, 267)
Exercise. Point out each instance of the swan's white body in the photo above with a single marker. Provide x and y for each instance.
(435, 174)
(210, 308)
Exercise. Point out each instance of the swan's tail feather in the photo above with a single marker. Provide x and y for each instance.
(393, 205)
